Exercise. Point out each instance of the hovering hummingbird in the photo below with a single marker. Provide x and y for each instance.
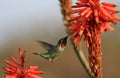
(53, 51)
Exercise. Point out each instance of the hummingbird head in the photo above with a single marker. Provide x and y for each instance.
(62, 42)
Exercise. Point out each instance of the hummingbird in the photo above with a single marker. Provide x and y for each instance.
(52, 50)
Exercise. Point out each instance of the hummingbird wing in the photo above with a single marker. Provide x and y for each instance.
(46, 45)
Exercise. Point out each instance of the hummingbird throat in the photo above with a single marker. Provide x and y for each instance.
(62, 45)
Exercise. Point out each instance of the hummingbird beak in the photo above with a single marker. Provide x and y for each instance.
(66, 37)
(64, 42)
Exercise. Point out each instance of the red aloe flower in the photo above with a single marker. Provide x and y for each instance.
(19, 70)
(92, 12)
(91, 20)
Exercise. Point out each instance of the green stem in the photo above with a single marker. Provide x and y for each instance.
(82, 60)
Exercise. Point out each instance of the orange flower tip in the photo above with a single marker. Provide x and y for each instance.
(87, 44)
(10, 77)
(108, 4)
(88, 14)
(80, 5)
(19, 49)
(77, 41)
(20, 53)
(78, 10)
(91, 2)
(35, 72)
(97, 20)
(106, 14)
(12, 68)
(33, 76)
(75, 18)
(112, 29)
(85, 11)
(117, 11)
(14, 60)
(7, 72)
(110, 9)
(8, 69)
(9, 63)
(74, 11)
(81, 32)
(95, 12)
(88, 34)
(33, 67)
(116, 17)
(5, 68)
(109, 29)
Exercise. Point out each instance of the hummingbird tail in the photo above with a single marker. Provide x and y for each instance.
(36, 53)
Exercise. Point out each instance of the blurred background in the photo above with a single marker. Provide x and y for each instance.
(22, 22)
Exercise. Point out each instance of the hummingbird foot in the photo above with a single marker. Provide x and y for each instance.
(51, 60)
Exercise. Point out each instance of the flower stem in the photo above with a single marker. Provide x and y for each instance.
(82, 59)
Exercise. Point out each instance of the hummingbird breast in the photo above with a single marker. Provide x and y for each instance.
(61, 48)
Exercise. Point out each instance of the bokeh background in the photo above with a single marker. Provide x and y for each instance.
(22, 22)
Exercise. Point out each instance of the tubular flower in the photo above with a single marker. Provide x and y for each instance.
(90, 12)
(19, 70)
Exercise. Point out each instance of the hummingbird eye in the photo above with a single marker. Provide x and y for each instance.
(62, 40)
